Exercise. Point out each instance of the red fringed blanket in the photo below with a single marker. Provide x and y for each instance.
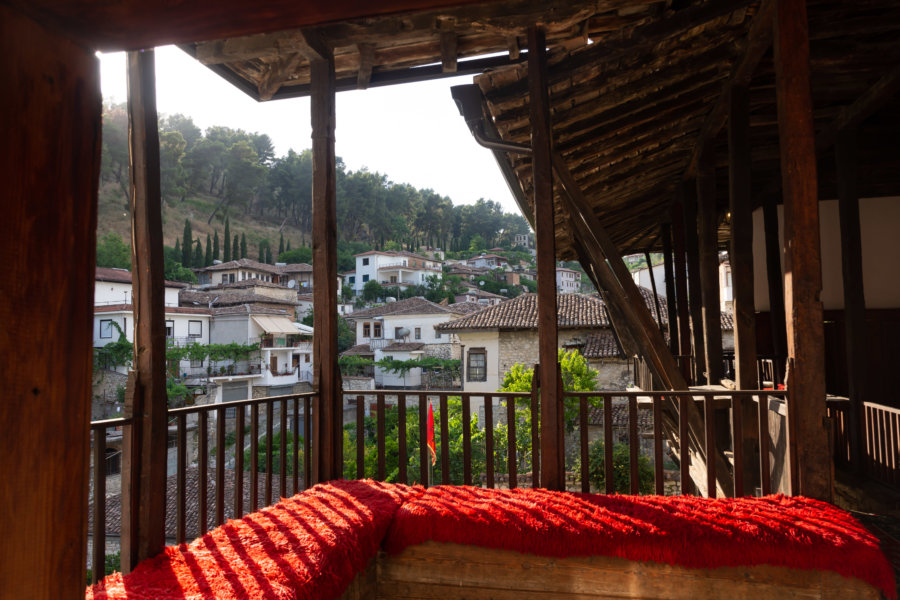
(308, 546)
(689, 531)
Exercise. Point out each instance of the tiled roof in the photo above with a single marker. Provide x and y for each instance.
(124, 276)
(296, 268)
(573, 311)
(481, 294)
(246, 263)
(229, 298)
(602, 344)
(727, 321)
(394, 253)
(178, 310)
(248, 309)
(620, 416)
(466, 308)
(245, 283)
(357, 350)
(409, 306)
(403, 347)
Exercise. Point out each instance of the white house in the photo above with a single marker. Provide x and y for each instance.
(524, 240)
(238, 270)
(568, 281)
(391, 268)
(113, 286)
(480, 297)
(491, 261)
(658, 273)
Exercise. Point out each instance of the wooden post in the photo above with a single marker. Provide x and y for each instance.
(854, 288)
(692, 248)
(807, 425)
(327, 416)
(669, 269)
(709, 265)
(50, 118)
(541, 142)
(775, 278)
(150, 397)
(653, 289)
(684, 325)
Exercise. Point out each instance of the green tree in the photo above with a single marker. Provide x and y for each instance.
(262, 250)
(297, 255)
(621, 469)
(171, 172)
(269, 254)
(215, 252)
(228, 256)
(209, 251)
(197, 258)
(113, 252)
(187, 244)
(243, 244)
(281, 245)
(236, 252)
(178, 249)
(372, 291)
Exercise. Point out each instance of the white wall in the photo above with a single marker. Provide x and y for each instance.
(879, 226)
(642, 278)
(489, 340)
(113, 292)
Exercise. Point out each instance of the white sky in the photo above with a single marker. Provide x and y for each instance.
(412, 133)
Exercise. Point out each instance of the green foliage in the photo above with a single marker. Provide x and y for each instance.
(227, 257)
(174, 271)
(216, 245)
(209, 252)
(346, 333)
(297, 255)
(243, 244)
(372, 291)
(276, 454)
(114, 354)
(354, 365)
(621, 469)
(177, 393)
(402, 367)
(111, 564)
(187, 244)
(113, 252)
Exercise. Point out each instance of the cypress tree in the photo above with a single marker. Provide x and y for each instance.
(208, 258)
(178, 247)
(288, 248)
(262, 250)
(281, 245)
(269, 254)
(243, 245)
(236, 249)
(197, 259)
(228, 256)
(187, 243)
(216, 246)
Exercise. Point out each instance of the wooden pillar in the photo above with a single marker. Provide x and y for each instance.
(50, 118)
(327, 416)
(808, 433)
(775, 277)
(707, 223)
(695, 305)
(149, 400)
(741, 239)
(541, 141)
(681, 289)
(854, 288)
(669, 270)
(656, 304)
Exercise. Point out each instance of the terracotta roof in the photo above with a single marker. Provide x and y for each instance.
(230, 298)
(182, 310)
(409, 306)
(247, 309)
(395, 253)
(296, 268)
(488, 256)
(727, 321)
(403, 347)
(602, 344)
(620, 416)
(357, 350)
(481, 294)
(573, 311)
(246, 263)
(245, 283)
(466, 308)
(124, 276)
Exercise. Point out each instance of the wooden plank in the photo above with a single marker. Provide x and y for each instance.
(448, 51)
(220, 466)
(535, 431)
(658, 475)
(283, 453)
(765, 472)
(203, 472)
(873, 99)
(511, 449)
(684, 457)
(403, 458)
(270, 431)
(707, 223)
(445, 442)
(659, 320)
(634, 447)
(854, 287)
(327, 419)
(181, 481)
(366, 62)
(98, 538)
(360, 437)
(296, 453)
(805, 333)
(254, 457)
(542, 177)
(681, 290)
(774, 276)
(671, 298)
(737, 435)
(583, 449)
(307, 442)
(424, 455)
(709, 419)
(489, 441)
(467, 439)
(608, 443)
(380, 434)
(238, 495)
(692, 248)
(149, 301)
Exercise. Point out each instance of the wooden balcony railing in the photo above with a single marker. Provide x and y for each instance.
(880, 444)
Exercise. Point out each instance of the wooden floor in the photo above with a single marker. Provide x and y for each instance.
(433, 570)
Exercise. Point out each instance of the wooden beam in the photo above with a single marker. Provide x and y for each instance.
(512, 43)
(659, 320)
(886, 88)
(277, 73)
(807, 431)
(741, 238)
(149, 301)
(50, 118)
(759, 39)
(681, 289)
(366, 62)
(692, 247)
(854, 288)
(327, 415)
(671, 305)
(542, 144)
(449, 44)
(775, 278)
(707, 223)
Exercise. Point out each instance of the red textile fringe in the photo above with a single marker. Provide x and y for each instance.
(793, 532)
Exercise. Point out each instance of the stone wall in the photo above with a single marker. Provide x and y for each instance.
(444, 351)
(613, 373)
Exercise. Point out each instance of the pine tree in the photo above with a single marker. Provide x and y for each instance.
(269, 254)
(243, 245)
(187, 243)
(228, 255)
(262, 250)
(208, 257)
(216, 245)
(197, 259)
(281, 245)
(236, 249)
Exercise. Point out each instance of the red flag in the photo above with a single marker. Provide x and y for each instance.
(431, 434)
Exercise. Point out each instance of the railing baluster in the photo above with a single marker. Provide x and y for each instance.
(401, 441)
(239, 414)
(610, 484)
(282, 466)
(445, 442)
(764, 472)
(710, 422)
(658, 474)
(202, 472)
(98, 560)
(737, 443)
(535, 432)
(511, 442)
(634, 446)
(220, 466)
(181, 479)
(684, 452)
(467, 440)
(270, 426)
(379, 424)
(489, 440)
(295, 455)
(254, 457)
(585, 459)
(307, 441)
(424, 458)
(360, 437)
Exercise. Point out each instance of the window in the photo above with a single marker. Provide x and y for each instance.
(196, 364)
(352, 279)
(170, 329)
(365, 262)
(393, 279)
(376, 330)
(106, 329)
(195, 329)
(224, 278)
(437, 334)
(418, 333)
(367, 330)
(231, 278)
(365, 278)
(397, 335)
(477, 365)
